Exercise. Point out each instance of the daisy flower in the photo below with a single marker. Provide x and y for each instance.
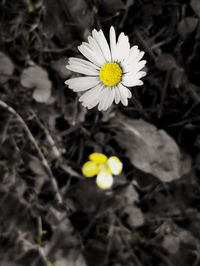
(103, 167)
(109, 70)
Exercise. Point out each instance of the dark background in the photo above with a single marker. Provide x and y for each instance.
(49, 213)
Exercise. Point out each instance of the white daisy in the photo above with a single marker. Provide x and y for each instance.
(109, 71)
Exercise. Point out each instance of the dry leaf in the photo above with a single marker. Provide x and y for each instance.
(178, 236)
(195, 5)
(37, 78)
(126, 198)
(6, 67)
(152, 150)
(60, 67)
(74, 258)
(177, 77)
(165, 62)
(80, 13)
(187, 26)
(135, 216)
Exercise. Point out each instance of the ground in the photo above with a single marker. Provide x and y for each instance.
(50, 213)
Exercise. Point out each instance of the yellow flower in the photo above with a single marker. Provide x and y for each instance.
(54, 264)
(103, 167)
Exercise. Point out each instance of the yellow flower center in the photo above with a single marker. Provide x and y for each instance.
(110, 74)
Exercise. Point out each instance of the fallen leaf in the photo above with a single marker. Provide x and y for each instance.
(165, 62)
(195, 5)
(178, 236)
(177, 77)
(60, 67)
(64, 245)
(6, 68)
(151, 150)
(171, 243)
(37, 78)
(187, 26)
(126, 197)
(135, 216)
(80, 13)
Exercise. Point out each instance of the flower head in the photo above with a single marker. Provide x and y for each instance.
(103, 167)
(109, 71)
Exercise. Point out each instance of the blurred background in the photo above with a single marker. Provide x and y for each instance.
(50, 214)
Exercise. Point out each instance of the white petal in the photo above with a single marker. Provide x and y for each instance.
(126, 48)
(95, 47)
(82, 83)
(117, 95)
(134, 67)
(108, 93)
(74, 60)
(113, 44)
(83, 70)
(140, 65)
(133, 53)
(90, 93)
(91, 98)
(86, 44)
(131, 80)
(110, 98)
(104, 179)
(123, 94)
(115, 165)
(123, 47)
(93, 103)
(103, 44)
(141, 74)
(102, 101)
(129, 93)
(140, 55)
(118, 48)
(90, 55)
(105, 47)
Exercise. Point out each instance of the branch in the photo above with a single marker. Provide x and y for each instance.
(32, 139)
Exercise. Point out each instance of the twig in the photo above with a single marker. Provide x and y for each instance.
(192, 89)
(35, 247)
(126, 242)
(140, 108)
(163, 257)
(32, 139)
(163, 95)
(55, 150)
(39, 230)
(145, 45)
(5, 131)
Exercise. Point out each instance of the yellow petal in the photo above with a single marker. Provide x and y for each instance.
(114, 165)
(90, 169)
(104, 179)
(99, 158)
(56, 263)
